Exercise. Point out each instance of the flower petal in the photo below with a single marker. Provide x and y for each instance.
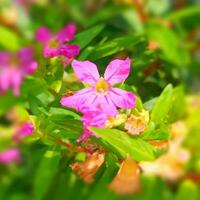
(4, 80)
(106, 105)
(16, 80)
(77, 101)
(26, 58)
(67, 33)
(30, 67)
(86, 134)
(86, 71)
(4, 58)
(69, 50)
(43, 35)
(117, 71)
(50, 52)
(25, 55)
(10, 155)
(122, 99)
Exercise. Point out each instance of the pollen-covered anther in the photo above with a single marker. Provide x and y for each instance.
(53, 43)
(102, 86)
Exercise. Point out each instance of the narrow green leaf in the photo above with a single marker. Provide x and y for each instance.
(155, 135)
(62, 112)
(188, 12)
(178, 107)
(85, 37)
(45, 173)
(114, 46)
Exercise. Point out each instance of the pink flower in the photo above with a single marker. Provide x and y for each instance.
(25, 130)
(56, 45)
(92, 117)
(9, 156)
(101, 91)
(14, 67)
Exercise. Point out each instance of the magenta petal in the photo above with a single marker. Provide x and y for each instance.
(4, 79)
(9, 156)
(117, 71)
(43, 35)
(67, 33)
(4, 58)
(86, 134)
(16, 80)
(77, 100)
(25, 55)
(50, 52)
(106, 105)
(69, 50)
(30, 67)
(26, 129)
(26, 60)
(86, 71)
(122, 99)
(92, 117)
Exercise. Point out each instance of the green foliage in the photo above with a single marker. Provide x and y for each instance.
(45, 173)
(159, 114)
(162, 40)
(119, 141)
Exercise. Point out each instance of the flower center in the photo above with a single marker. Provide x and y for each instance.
(14, 61)
(53, 43)
(102, 86)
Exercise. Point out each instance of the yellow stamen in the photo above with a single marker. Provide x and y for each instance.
(102, 86)
(53, 43)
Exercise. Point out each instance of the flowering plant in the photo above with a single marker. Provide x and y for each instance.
(121, 121)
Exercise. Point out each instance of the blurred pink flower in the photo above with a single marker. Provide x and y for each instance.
(56, 45)
(101, 91)
(25, 130)
(9, 156)
(14, 67)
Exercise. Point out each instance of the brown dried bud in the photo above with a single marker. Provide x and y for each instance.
(127, 180)
(87, 169)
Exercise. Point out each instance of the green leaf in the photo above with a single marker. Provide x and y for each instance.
(85, 37)
(107, 13)
(178, 108)
(67, 128)
(45, 173)
(119, 141)
(155, 135)
(105, 179)
(187, 190)
(162, 106)
(7, 101)
(170, 44)
(114, 46)
(9, 40)
(187, 12)
(56, 112)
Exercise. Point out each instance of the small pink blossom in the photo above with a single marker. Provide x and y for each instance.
(14, 67)
(25, 130)
(101, 91)
(56, 45)
(92, 117)
(9, 156)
